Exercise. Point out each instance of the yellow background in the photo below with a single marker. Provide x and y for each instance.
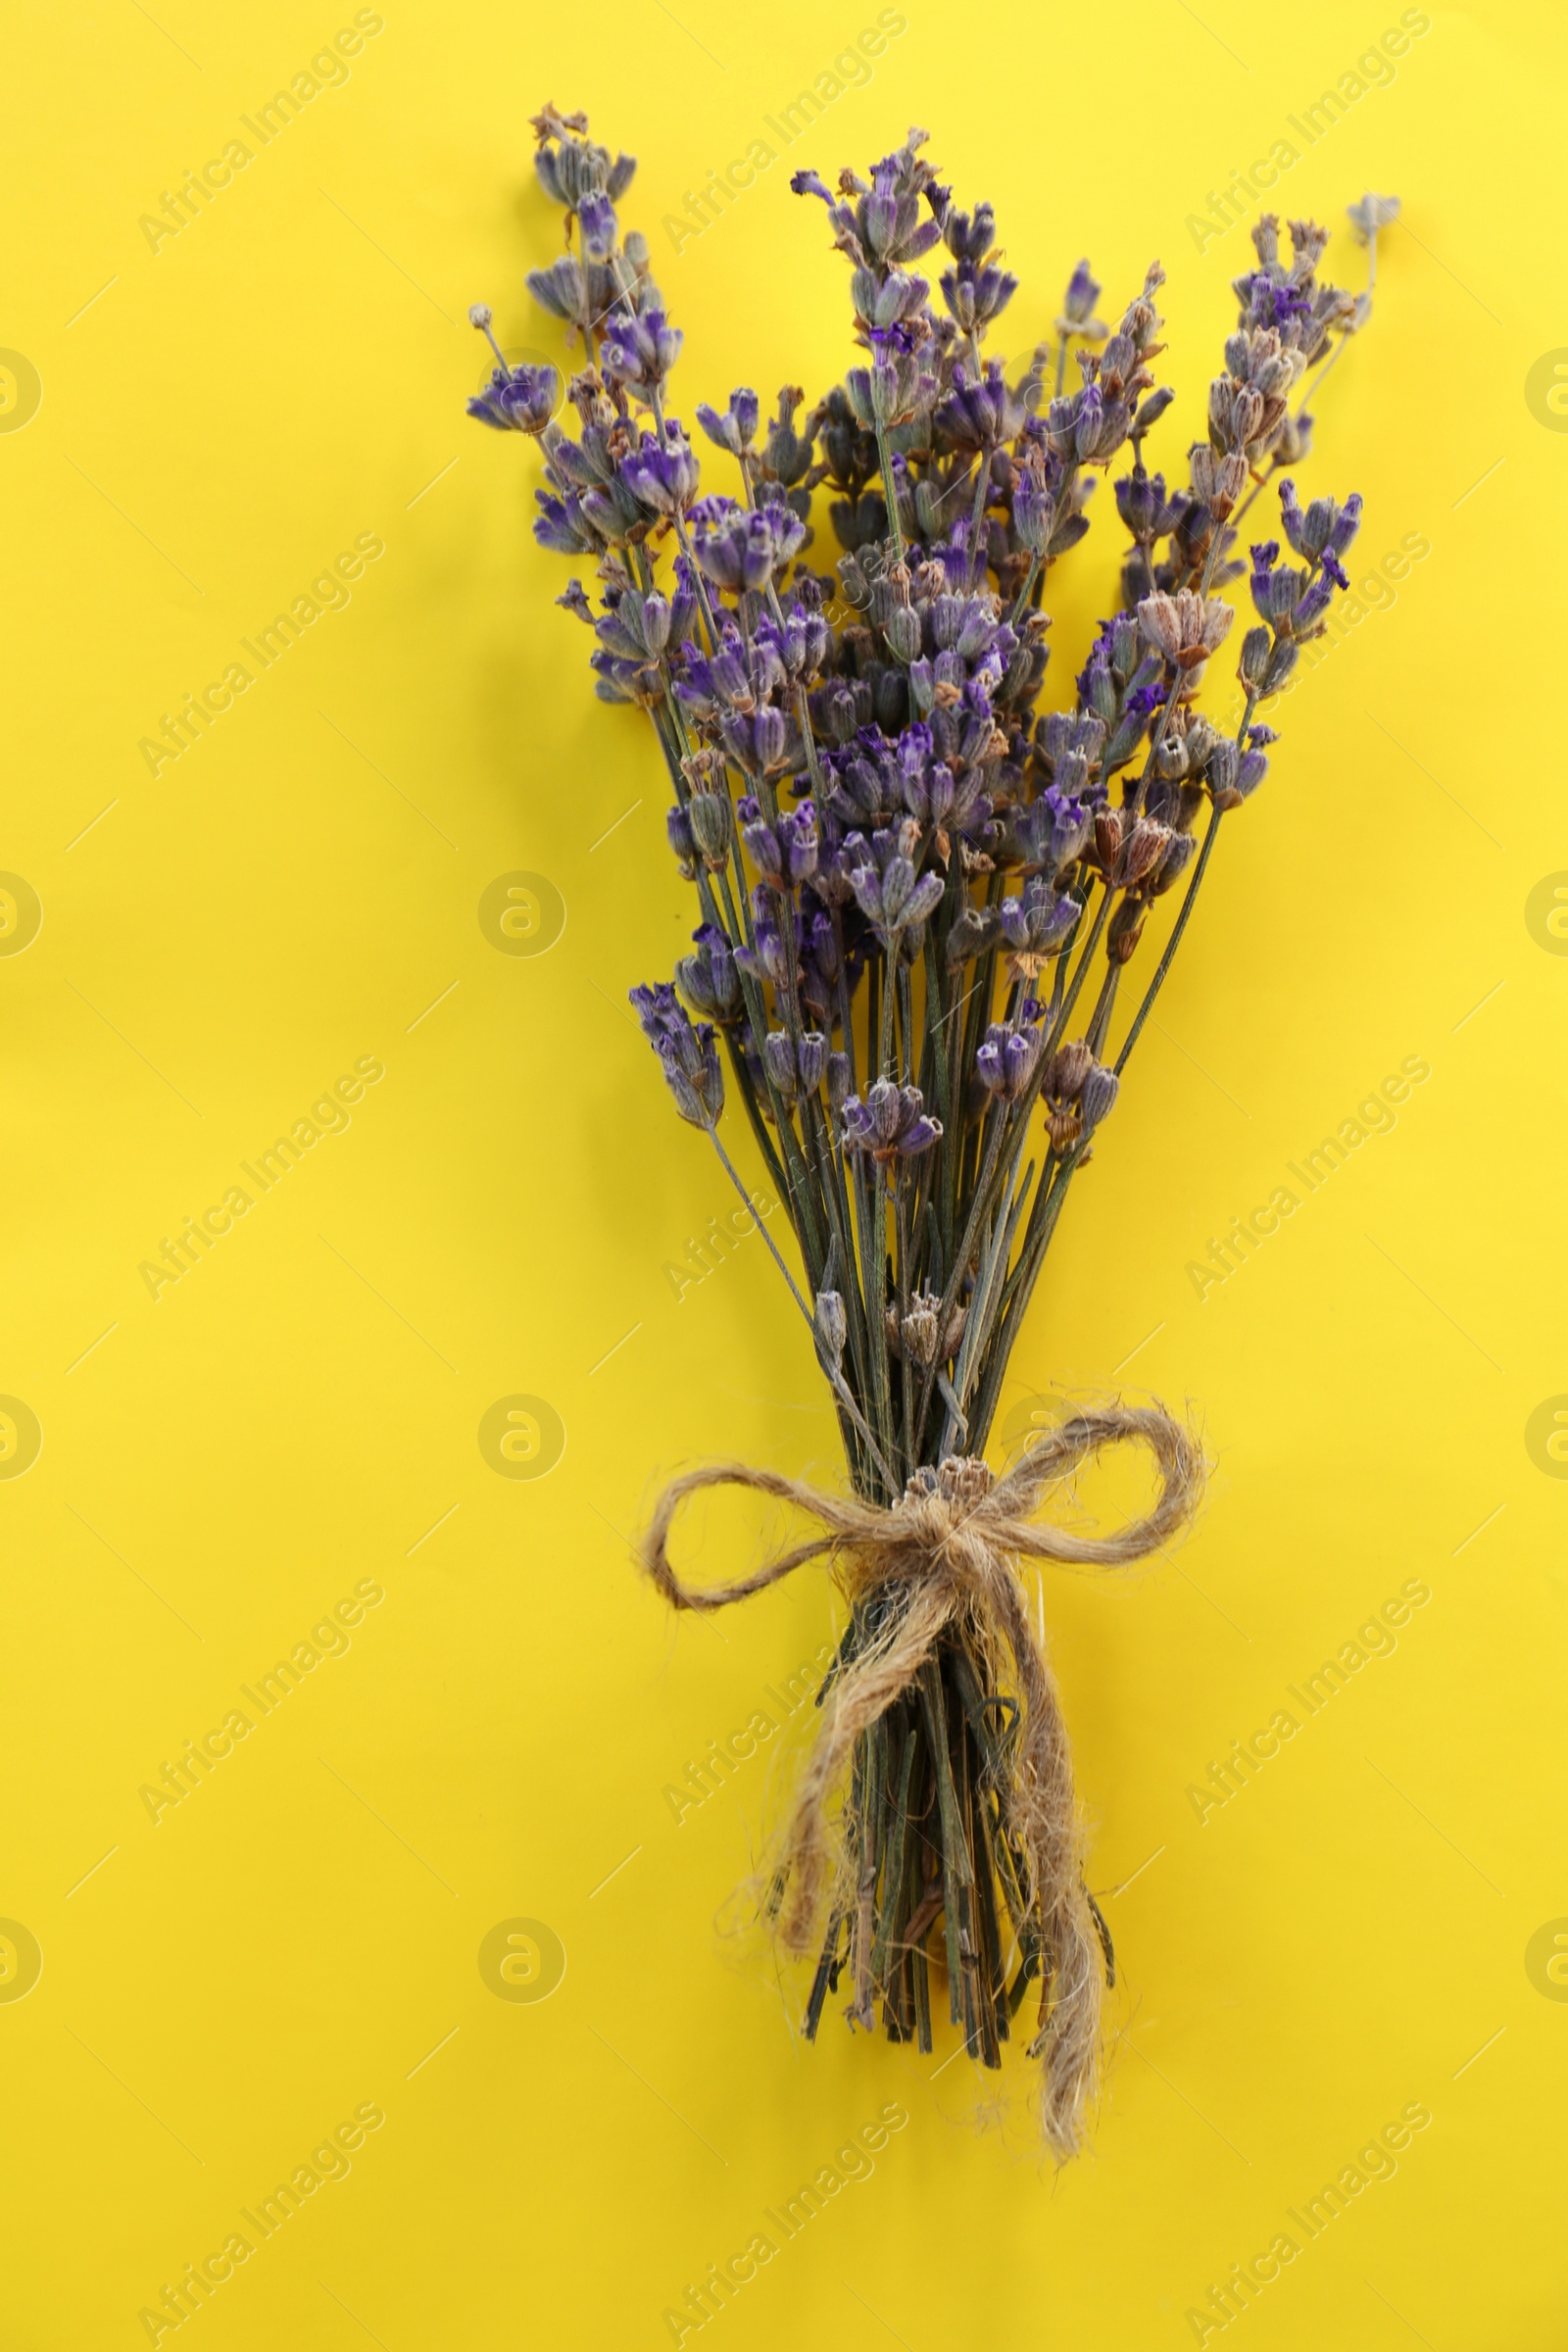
(295, 1938)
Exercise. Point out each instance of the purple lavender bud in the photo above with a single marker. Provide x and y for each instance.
(1033, 509)
(922, 901)
(1347, 523)
(1100, 1090)
(1151, 410)
(678, 826)
(1275, 593)
(1311, 607)
(1141, 503)
(762, 847)
(1249, 774)
(683, 605)
(1078, 303)
(902, 630)
(838, 1082)
(1254, 660)
(596, 217)
(655, 1007)
(811, 1060)
(1281, 661)
(797, 843)
(699, 1090)
(778, 1057)
(832, 1326)
(769, 735)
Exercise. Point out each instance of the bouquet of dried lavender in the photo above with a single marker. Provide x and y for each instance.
(907, 880)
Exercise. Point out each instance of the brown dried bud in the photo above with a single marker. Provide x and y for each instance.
(1143, 850)
(1126, 930)
(917, 1337)
(1070, 1065)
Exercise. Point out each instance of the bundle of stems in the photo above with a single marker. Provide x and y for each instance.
(921, 899)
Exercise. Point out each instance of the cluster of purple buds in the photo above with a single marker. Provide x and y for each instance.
(687, 1053)
(708, 978)
(1292, 602)
(890, 1124)
(571, 167)
(661, 475)
(736, 430)
(1034, 927)
(743, 548)
(1323, 531)
(884, 228)
(519, 400)
(886, 301)
(797, 1066)
(1005, 1063)
(1287, 298)
(976, 291)
(980, 412)
(1052, 832)
(882, 876)
(639, 352)
(896, 387)
(785, 852)
(1233, 773)
(1079, 1091)
(1034, 509)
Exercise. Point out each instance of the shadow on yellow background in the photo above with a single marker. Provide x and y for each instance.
(364, 1840)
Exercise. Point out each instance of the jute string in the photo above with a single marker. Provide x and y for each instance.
(948, 1549)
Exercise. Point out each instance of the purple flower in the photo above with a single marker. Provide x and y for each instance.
(708, 978)
(596, 217)
(1036, 926)
(1097, 1096)
(890, 1124)
(1009, 1058)
(638, 352)
(883, 879)
(1324, 529)
(519, 400)
(738, 549)
(688, 1053)
(1078, 305)
(662, 476)
(979, 414)
(563, 525)
(735, 429)
(560, 289)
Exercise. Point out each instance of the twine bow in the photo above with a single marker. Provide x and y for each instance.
(947, 1549)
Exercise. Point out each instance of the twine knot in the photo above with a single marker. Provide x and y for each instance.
(944, 1554)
